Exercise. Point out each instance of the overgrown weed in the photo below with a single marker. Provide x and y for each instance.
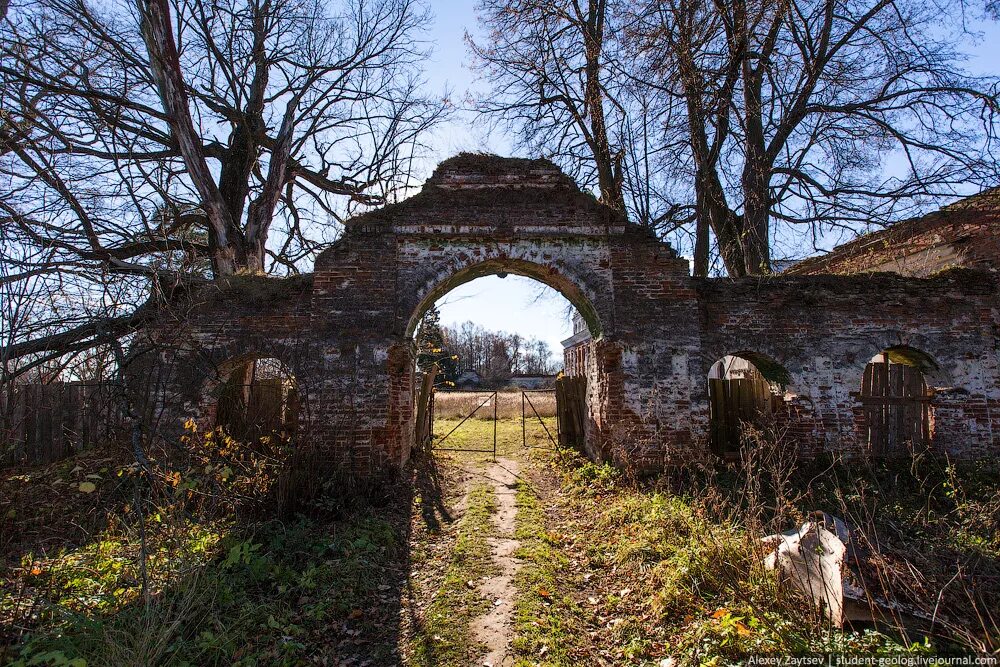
(231, 556)
(687, 546)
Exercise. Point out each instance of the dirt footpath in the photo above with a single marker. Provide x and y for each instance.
(495, 628)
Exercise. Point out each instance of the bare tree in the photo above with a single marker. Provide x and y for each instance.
(150, 146)
(545, 61)
(497, 355)
(792, 108)
(773, 121)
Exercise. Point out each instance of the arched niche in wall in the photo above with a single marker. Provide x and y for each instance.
(745, 390)
(257, 400)
(896, 401)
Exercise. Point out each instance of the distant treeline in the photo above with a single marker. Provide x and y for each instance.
(495, 356)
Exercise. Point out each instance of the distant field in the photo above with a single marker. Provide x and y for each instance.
(461, 403)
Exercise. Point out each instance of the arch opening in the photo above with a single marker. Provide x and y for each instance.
(257, 401)
(495, 351)
(896, 402)
(501, 268)
(746, 390)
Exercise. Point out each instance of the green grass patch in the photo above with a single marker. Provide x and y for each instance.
(544, 615)
(445, 637)
(478, 434)
(638, 574)
(270, 593)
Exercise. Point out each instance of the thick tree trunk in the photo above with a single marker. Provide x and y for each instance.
(706, 216)
(701, 246)
(742, 239)
(714, 213)
(242, 158)
(262, 208)
(157, 33)
(728, 232)
(756, 242)
(609, 178)
(754, 236)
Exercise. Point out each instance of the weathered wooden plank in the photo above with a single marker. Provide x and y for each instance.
(424, 426)
(571, 410)
(42, 423)
(719, 420)
(896, 405)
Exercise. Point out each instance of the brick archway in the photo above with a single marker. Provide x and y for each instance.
(462, 268)
(346, 329)
(479, 216)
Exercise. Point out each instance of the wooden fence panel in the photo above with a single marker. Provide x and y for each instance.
(263, 408)
(43, 423)
(424, 433)
(733, 403)
(571, 410)
(896, 406)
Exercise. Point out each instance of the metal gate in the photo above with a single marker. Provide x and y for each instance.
(527, 403)
(436, 443)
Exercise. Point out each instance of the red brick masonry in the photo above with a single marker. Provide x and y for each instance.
(346, 330)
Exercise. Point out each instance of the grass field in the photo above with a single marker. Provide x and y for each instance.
(460, 403)
(478, 434)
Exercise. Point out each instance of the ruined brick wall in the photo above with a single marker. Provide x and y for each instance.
(199, 339)
(346, 331)
(947, 239)
(823, 330)
(531, 221)
(648, 420)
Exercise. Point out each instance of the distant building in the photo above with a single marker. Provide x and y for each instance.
(576, 348)
(468, 380)
(961, 235)
(532, 381)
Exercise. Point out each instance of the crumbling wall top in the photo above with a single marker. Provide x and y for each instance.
(486, 195)
(471, 171)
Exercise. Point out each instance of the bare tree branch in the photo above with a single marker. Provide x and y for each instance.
(165, 142)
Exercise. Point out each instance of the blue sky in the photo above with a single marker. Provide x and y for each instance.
(514, 303)
(519, 304)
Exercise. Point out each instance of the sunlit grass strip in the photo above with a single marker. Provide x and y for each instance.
(103, 576)
(445, 638)
(543, 614)
(244, 597)
(478, 434)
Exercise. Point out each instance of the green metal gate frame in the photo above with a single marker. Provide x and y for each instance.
(437, 445)
(526, 403)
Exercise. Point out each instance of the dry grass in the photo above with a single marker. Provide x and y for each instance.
(676, 562)
(460, 403)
